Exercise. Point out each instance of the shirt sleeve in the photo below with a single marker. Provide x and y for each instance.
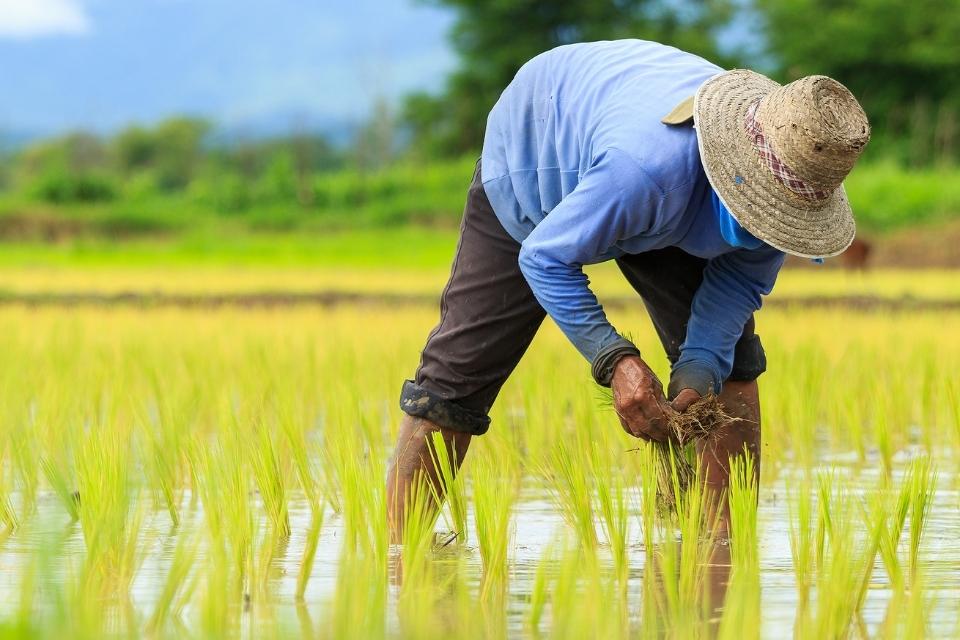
(732, 289)
(614, 200)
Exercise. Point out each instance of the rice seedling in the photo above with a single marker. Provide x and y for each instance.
(612, 506)
(494, 492)
(540, 589)
(270, 479)
(444, 460)
(683, 597)
(743, 495)
(572, 489)
(803, 539)
(845, 562)
(309, 553)
(733, 574)
(358, 607)
(705, 418)
(921, 482)
(647, 490)
(583, 603)
(167, 604)
(304, 457)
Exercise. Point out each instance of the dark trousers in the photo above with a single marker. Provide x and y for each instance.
(489, 316)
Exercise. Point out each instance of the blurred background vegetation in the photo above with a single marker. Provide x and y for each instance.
(410, 163)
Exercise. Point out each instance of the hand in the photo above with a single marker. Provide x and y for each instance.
(639, 401)
(684, 399)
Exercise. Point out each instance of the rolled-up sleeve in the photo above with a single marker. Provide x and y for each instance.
(614, 199)
(732, 289)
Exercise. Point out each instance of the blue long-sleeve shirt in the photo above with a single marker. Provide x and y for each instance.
(579, 169)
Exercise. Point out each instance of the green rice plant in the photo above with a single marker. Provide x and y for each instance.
(415, 570)
(417, 538)
(359, 605)
(908, 611)
(893, 531)
(845, 565)
(453, 494)
(59, 477)
(224, 487)
(217, 610)
(161, 453)
(270, 479)
(359, 475)
(742, 500)
(303, 456)
(109, 511)
(742, 595)
(541, 588)
(567, 474)
(738, 620)
(181, 564)
(613, 508)
(494, 492)
(800, 514)
(24, 444)
(309, 553)
(922, 483)
(849, 413)
(929, 390)
(582, 602)
(952, 393)
(647, 490)
(685, 601)
(8, 515)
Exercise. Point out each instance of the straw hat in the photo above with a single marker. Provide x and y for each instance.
(777, 156)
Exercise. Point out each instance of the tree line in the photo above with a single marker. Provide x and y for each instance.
(901, 59)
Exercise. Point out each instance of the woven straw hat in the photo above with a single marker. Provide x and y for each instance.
(777, 156)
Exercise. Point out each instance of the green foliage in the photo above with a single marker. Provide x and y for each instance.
(886, 196)
(494, 39)
(64, 187)
(172, 151)
(888, 52)
(899, 59)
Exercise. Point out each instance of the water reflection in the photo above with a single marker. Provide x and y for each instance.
(356, 593)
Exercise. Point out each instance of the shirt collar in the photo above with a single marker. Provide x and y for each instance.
(733, 234)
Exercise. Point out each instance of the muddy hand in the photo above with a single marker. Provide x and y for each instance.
(639, 401)
(684, 399)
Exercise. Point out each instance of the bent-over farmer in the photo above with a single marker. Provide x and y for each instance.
(695, 180)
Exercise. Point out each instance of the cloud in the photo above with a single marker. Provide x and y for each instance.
(23, 19)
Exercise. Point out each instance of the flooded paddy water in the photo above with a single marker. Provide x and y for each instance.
(218, 452)
(536, 527)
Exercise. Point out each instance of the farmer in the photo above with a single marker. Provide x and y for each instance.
(695, 180)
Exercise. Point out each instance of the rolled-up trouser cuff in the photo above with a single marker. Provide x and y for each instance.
(749, 360)
(604, 362)
(421, 403)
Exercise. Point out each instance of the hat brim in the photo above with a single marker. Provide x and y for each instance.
(759, 202)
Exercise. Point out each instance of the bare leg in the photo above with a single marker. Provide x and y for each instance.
(740, 400)
(413, 461)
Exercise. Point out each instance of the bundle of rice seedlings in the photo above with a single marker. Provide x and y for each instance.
(703, 419)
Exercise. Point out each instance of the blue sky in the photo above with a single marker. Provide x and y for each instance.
(102, 64)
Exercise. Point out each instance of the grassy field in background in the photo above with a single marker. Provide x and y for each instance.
(423, 280)
(885, 196)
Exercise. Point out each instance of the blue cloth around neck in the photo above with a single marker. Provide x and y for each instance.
(734, 234)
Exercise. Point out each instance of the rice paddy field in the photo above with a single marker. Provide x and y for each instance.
(217, 470)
